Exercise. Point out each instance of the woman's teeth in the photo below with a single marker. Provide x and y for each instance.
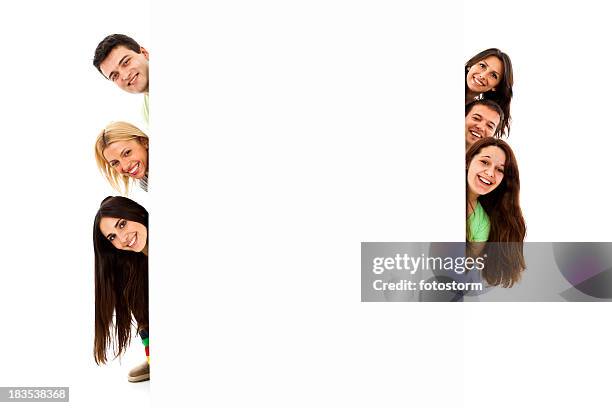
(478, 81)
(487, 182)
(134, 170)
(132, 241)
(476, 134)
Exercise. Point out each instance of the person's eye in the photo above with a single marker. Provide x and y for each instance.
(485, 162)
(481, 65)
(127, 153)
(114, 163)
(494, 76)
(491, 126)
(111, 237)
(122, 224)
(114, 77)
(500, 170)
(126, 62)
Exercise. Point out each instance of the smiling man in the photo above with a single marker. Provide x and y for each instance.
(123, 61)
(482, 119)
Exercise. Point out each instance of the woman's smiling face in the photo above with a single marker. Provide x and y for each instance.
(124, 234)
(128, 157)
(486, 170)
(485, 74)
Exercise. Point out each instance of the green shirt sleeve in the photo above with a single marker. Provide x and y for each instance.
(479, 225)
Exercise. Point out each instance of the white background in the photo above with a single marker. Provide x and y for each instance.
(559, 130)
(283, 136)
(53, 105)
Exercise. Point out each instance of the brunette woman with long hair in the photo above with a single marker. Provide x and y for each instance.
(488, 75)
(493, 209)
(120, 237)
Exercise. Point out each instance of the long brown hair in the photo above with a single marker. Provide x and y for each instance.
(121, 282)
(505, 243)
(503, 93)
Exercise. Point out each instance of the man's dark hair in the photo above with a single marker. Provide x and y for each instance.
(109, 43)
(491, 104)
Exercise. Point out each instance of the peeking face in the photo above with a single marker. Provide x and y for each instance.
(128, 69)
(485, 74)
(128, 157)
(486, 170)
(480, 122)
(124, 234)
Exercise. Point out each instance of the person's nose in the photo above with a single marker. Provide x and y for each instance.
(124, 74)
(123, 237)
(124, 165)
(489, 171)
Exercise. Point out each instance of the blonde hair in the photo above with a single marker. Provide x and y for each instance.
(114, 132)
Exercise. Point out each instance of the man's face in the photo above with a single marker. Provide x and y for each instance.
(481, 121)
(128, 69)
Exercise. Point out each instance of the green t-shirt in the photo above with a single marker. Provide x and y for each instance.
(479, 224)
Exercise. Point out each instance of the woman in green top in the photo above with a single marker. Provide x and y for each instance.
(493, 210)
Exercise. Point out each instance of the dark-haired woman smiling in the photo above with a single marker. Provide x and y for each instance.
(493, 210)
(488, 75)
(120, 237)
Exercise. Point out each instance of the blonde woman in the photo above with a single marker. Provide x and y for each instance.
(122, 153)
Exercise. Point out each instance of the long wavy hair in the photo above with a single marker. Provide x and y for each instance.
(503, 91)
(114, 132)
(121, 282)
(505, 243)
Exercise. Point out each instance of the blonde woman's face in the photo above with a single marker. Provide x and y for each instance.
(128, 157)
(124, 234)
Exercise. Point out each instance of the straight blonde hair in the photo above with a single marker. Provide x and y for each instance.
(114, 132)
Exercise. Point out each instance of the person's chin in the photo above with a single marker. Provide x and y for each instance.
(471, 139)
(474, 87)
(474, 189)
(142, 88)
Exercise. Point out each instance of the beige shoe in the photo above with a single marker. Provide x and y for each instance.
(139, 373)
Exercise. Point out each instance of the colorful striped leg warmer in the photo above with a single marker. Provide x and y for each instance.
(144, 335)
